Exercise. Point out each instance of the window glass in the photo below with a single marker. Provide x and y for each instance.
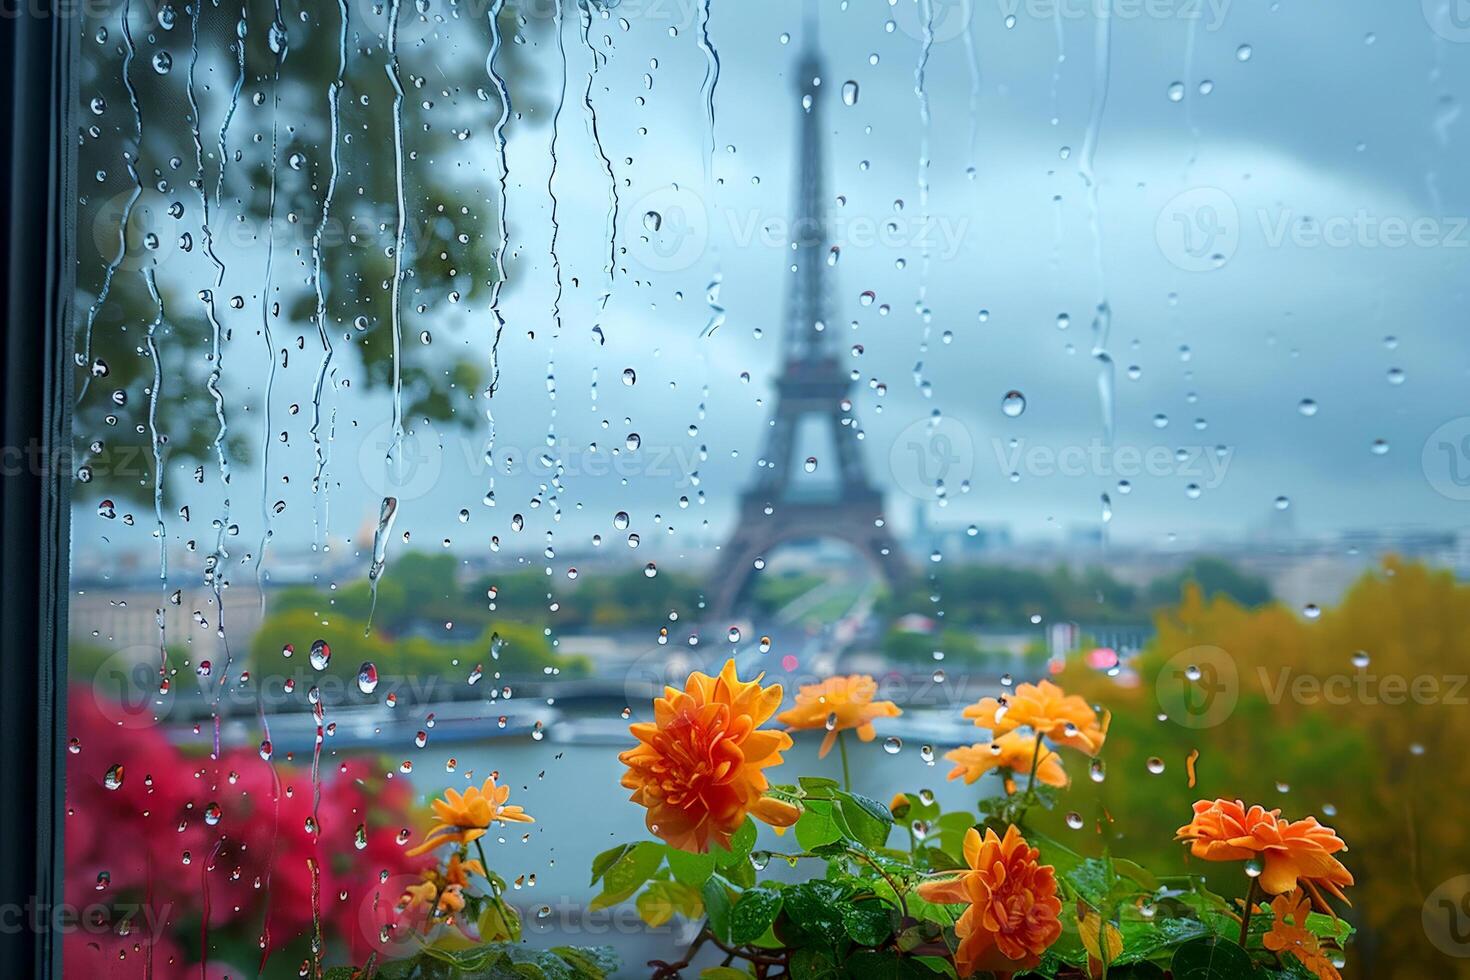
(451, 376)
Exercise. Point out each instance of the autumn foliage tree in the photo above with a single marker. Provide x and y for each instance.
(1358, 713)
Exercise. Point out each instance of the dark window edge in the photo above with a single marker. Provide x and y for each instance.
(38, 44)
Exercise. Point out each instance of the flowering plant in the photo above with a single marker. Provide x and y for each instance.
(455, 919)
(900, 890)
(908, 890)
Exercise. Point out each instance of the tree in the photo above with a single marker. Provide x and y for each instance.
(240, 179)
(1358, 717)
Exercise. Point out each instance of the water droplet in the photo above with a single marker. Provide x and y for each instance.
(1013, 403)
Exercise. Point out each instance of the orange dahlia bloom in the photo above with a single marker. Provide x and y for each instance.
(1013, 914)
(698, 765)
(1046, 709)
(1301, 851)
(1291, 852)
(1293, 937)
(463, 819)
(1011, 751)
(839, 704)
(1223, 830)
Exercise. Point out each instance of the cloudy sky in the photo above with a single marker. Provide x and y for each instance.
(1276, 221)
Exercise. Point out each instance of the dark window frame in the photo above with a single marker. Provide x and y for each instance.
(39, 42)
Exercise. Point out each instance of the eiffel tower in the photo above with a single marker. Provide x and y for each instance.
(813, 385)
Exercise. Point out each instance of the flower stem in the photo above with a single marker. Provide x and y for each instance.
(1035, 764)
(1250, 904)
(842, 749)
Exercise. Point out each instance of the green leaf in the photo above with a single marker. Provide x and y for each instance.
(691, 869)
(1328, 927)
(1137, 872)
(938, 964)
(1137, 971)
(818, 825)
(937, 860)
(868, 819)
(606, 860)
(1145, 938)
(740, 874)
(952, 830)
(1211, 958)
(628, 872)
(658, 903)
(723, 973)
(869, 964)
(740, 845)
(814, 908)
(717, 908)
(589, 962)
(813, 964)
(869, 923)
(819, 786)
(753, 914)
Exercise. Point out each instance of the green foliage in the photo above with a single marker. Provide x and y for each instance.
(1003, 595)
(903, 646)
(266, 163)
(513, 649)
(1214, 577)
(860, 915)
(494, 961)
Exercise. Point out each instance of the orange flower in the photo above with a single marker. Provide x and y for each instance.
(839, 704)
(1046, 709)
(697, 766)
(463, 819)
(1291, 852)
(1011, 751)
(1294, 937)
(1222, 830)
(428, 895)
(1013, 914)
(1300, 851)
(457, 872)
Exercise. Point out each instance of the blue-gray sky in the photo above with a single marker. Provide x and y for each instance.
(1278, 191)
